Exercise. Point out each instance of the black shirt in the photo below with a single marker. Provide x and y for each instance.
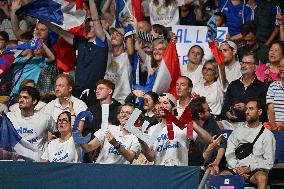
(237, 93)
(97, 117)
(91, 63)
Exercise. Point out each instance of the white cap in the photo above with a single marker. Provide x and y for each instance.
(170, 97)
(231, 44)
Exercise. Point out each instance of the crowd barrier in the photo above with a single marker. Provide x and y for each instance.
(15, 175)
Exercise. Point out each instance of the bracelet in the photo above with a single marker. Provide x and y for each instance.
(117, 146)
(73, 115)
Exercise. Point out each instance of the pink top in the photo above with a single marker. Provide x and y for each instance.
(264, 74)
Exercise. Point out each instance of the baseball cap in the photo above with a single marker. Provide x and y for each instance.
(230, 43)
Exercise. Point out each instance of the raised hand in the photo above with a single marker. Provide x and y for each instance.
(16, 4)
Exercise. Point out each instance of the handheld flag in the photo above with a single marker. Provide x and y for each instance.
(10, 138)
(169, 71)
(212, 28)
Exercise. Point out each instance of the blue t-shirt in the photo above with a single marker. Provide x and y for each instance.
(235, 16)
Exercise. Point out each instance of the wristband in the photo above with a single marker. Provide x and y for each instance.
(117, 146)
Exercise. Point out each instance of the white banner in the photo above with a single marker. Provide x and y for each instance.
(187, 36)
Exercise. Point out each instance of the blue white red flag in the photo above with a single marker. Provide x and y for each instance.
(10, 138)
(67, 14)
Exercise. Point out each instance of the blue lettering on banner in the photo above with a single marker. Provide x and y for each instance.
(183, 60)
(197, 40)
(23, 130)
(179, 36)
(186, 41)
(222, 36)
(164, 147)
(62, 157)
(183, 36)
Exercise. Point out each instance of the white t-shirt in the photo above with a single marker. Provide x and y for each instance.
(233, 72)
(54, 108)
(166, 16)
(171, 152)
(34, 129)
(109, 154)
(213, 93)
(196, 76)
(66, 151)
(119, 72)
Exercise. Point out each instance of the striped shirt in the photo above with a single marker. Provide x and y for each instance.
(275, 95)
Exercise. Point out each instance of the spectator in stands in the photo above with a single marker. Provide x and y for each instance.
(210, 155)
(193, 69)
(187, 15)
(119, 69)
(92, 52)
(165, 151)
(274, 99)
(237, 13)
(165, 12)
(30, 83)
(30, 64)
(4, 39)
(63, 88)
(280, 20)
(30, 125)
(183, 89)
(265, 22)
(150, 100)
(63, 149)
(104, 93)
(221, 19)
(269, 72)
(11, 20)
(259, 50)
(151, 63)
(232, 65)
(213, 87)
(254, 167)
(48, 73)
(118, 146)
(239, 91)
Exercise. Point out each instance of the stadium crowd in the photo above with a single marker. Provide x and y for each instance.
(244, 93)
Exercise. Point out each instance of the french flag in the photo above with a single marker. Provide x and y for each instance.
(169, 71)
(125, 9)
(67, 14)
(10, 138)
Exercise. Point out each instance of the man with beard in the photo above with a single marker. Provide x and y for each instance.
(30, 125)
(170, 152)
(204, 154)
(239, 91)
(254, 167)
(232, 65)
(63, 88)
(249, 36)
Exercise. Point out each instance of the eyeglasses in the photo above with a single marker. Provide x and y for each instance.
(208, 69)
(248, 63)
(63, 121)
